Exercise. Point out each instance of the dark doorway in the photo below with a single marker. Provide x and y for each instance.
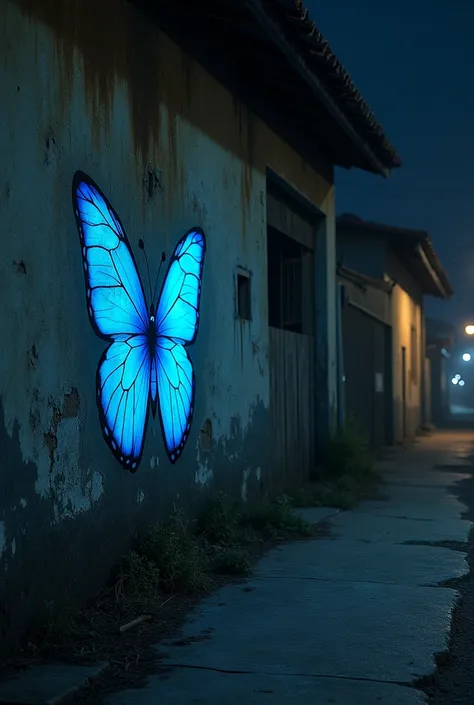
(291, 233)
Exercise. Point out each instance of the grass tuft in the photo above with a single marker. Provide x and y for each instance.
(176, 553)
(138, 576)
(347, 454)
(343, 493)
(347, 473)
(277, 519)
(177, 557)
(221, 521)
(230, 560)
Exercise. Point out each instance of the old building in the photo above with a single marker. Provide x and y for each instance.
(385, 272)
(229, 118)
(440, 337)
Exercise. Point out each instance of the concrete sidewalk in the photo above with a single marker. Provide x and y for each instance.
(350, 620)
(354, 619)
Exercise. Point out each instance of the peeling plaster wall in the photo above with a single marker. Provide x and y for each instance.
(119, 106)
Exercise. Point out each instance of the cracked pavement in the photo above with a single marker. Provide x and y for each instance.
(354, 619)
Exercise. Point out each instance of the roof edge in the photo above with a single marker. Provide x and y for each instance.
(364, 280)
(418, 240)
(438, 271)
(379, 164)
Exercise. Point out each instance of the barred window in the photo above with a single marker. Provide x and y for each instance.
(291, 293)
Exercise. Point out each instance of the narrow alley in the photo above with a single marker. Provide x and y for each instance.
(354, 619)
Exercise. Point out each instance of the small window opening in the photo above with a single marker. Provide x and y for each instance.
(243, 295)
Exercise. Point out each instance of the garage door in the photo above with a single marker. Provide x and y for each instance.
(367, 355)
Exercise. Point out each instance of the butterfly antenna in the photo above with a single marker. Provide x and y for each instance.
(141, 245)
(163, 258)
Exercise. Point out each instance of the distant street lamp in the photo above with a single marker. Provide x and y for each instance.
(469, 330)
(466, 357)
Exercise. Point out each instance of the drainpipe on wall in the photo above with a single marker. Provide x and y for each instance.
(341, 397)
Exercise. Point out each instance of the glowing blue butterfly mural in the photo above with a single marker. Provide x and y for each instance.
(145, 365)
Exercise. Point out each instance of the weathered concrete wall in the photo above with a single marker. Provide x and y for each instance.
(372, 255)
(117, 104)
(406, 312)
(364, 253)
(374, 301)
(428, 406)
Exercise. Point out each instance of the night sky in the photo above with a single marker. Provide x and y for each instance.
(413, 62)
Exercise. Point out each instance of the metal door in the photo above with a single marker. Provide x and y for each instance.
(367, 373)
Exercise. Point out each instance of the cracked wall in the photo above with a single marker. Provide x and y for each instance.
(166, 162)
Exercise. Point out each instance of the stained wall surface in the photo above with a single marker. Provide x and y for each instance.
(171, 149)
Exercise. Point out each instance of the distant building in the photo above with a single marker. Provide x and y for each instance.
(440, 337)
(385, 272)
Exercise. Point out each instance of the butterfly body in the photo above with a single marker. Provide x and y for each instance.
(151, 334)
(146, 365)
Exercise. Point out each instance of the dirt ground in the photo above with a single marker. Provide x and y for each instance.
(93, 635)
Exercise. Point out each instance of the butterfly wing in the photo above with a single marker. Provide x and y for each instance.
(115, 298)
(123, 387)
(118, 313)
(177, 315)
(177, 321)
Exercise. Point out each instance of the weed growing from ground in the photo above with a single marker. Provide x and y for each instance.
(277, 519)
(347, 454)
(138, 576)
(347, 472)
(178, 557)
(230, 560)
(220, 522)
(176, 553)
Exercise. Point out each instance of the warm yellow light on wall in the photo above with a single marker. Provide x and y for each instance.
(469, 329)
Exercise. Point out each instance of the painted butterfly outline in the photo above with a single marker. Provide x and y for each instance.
(145, 365)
